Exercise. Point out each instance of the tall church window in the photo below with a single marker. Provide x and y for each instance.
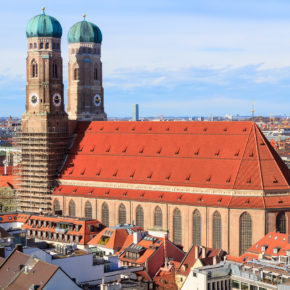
(217, 230)
(95, 74)
(122, 214)
(34, 69)
(46, 45)
(281, 223)
(54, 71)
(30, 45)
(177, 227)
(139, 216)
(56, 205)
(72, 209)
(105, 214)
(88, 210)
(158, 217)
(41, 45)
(76, 74)
(35, 45)
(196, 227)
(245, 232)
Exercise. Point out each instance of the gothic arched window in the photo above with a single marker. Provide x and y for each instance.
(139, 216)
(46, 45)
(196, 227)
(95, 74)
(88, 210)
(216, 231)
(158, 217)
(281, 223)
(41, 45)
(105, 214)
(54, 71)
(72, 208)
(76, 74)
(245, 232)
(122, 214)
(177, 227)
(56, 205)
(34, 69)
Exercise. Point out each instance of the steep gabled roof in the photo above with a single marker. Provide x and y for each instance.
(225, 155)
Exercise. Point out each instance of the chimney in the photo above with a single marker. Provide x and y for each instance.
(2, 252)
(19, 247)
(196, 251)
(203, 250)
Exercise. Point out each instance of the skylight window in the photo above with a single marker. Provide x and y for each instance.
(276, 237)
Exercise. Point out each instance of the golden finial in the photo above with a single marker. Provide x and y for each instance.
(84, 15)
(43, 10)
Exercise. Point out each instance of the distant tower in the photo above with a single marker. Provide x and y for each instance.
(135, 112)
(44, 123)
(85, 93)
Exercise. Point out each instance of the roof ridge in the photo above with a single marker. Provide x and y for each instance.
(240, 165)
(258, 156)
(273, 157)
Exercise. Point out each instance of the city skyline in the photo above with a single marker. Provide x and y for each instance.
(180, 60)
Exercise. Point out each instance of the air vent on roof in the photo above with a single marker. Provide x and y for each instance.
(141, 150)
(81, 149)
(90, 128)
(115, 174)
(75, 190)
(99, 172)
(225, 129)
(208, 179)
(150, 129)
(247, 201)
(275, 179)
(125, 193)
(280, 201)
(262, 143)
(159, 151)
(133, 129)
(91, 191)
(204, 129)
(237, 153)
(200, 200)
(251, 154)
(245, 130)
(102, 128)
(167, 129)
(219, 201)
(160, 196)
(217, 153)
(108, 149)
(83, 172)
(93, 149)
(228, 180)
(168, 177)
(132, 174)
(124, 150)
(142, 194)
(150, 175)
(196, 152)
(185, 129)
(59, 190)
(107, 192)
(177, 151)
(249, 180)
(188, 177)
(179, 197)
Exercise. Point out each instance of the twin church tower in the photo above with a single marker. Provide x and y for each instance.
(46, 127)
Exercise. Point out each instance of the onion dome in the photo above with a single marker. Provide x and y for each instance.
(84, 31)
(43, 26)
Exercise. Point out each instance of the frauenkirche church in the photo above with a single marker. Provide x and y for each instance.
(218, 184)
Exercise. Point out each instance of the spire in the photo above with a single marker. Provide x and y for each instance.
(43, 10)
(84, 16)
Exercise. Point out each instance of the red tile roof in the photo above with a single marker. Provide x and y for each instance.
(223, 201)
(228, 155)
(274, 244)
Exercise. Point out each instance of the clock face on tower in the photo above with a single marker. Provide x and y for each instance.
(97, 100)
(34, 99)
(56, 100)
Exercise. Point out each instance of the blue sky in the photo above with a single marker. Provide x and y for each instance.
(178, 58)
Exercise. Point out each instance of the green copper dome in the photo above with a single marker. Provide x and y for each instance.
(84, 31)
(43, 26)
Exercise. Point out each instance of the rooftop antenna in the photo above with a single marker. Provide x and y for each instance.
(43, 10)
(84, 16)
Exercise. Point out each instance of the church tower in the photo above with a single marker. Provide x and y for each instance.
(44, 124)
(85, 93)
